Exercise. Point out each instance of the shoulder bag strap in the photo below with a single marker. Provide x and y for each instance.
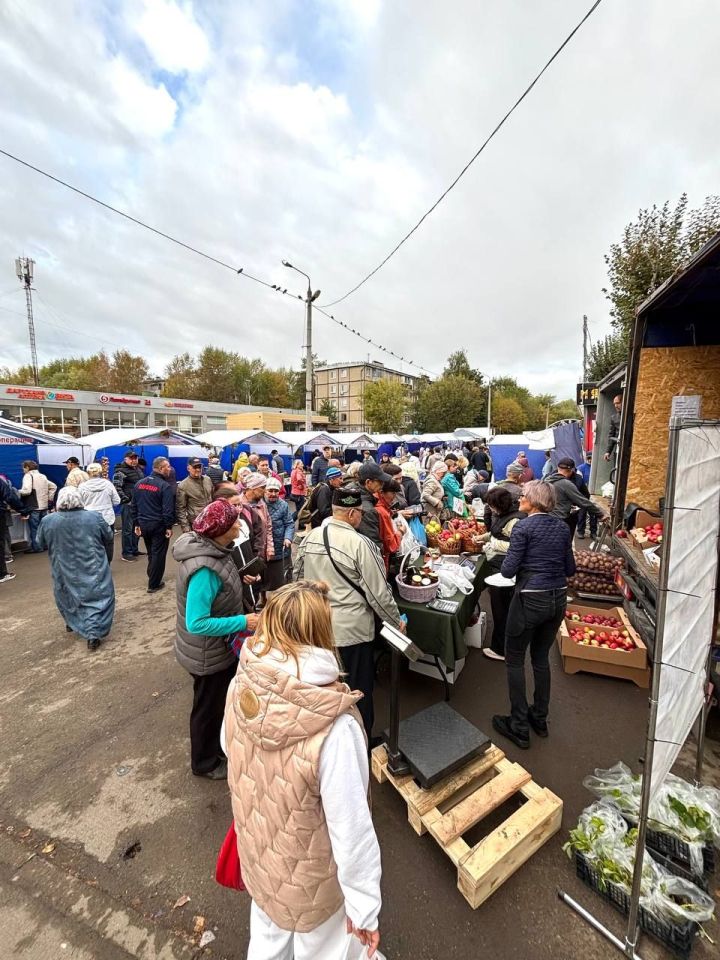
(339, 572)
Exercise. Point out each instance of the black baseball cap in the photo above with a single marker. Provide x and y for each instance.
(131, 455)
(73, 460)
(371, 471)
(567, 463)
(195, 462)
(348, 497)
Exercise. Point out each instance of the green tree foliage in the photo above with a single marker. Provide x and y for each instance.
(329, 410)
(457, 365)
(127, 372)
(180, 377)
(121, 374)
(448, 403)
(652, 248)
(606, 354)
(564, 410)
(508, 415)
(385, 405)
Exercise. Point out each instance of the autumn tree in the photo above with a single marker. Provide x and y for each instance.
(508, 415)
(181, 377)
(127, 373)
(457, 365)
(216, 375)
(385, 405)
(652, 248)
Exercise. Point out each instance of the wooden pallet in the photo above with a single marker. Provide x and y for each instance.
(457, 803)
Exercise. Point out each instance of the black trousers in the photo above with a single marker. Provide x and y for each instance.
(206, 717)
(572, 521)
(500, 599)
(533, 621)
(359, 665)
(156, 544)
(3, 546)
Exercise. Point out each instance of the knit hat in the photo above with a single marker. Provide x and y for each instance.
(332, 473)
(273, 484)
(254, 480)
(216, 519)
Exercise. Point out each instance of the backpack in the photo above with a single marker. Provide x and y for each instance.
(309, 508)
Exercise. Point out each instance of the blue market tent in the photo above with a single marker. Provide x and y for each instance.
(229, 444)
(147, 442)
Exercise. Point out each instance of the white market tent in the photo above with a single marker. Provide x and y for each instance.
(305, 438)
(354, 441)
(411, 438)
(12, 433)
(470, 433)
(432, 438)
(132, 436)
(386, 438)
(259, 440)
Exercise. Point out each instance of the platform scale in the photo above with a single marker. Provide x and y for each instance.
(451, 777)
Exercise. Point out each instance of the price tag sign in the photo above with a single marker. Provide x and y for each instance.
(686, 407)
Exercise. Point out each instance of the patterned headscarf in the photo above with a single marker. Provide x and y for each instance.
(216, 519)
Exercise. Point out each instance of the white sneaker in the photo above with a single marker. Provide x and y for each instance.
(491, 655)
(8, 576)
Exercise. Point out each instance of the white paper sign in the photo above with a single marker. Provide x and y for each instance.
(688, 408)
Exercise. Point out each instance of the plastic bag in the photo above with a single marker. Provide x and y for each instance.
(356, 951)
(418, 530)
(618, 784)
(450, 581)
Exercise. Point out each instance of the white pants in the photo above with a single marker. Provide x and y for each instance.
(329, 941)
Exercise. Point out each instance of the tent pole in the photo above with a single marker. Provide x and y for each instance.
(632, 927)
(593, 921)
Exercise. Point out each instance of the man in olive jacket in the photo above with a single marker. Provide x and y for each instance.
(194, 493)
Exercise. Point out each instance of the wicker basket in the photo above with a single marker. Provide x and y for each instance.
(451, 548)
(432, 540)
(472, 544)
(415, 594)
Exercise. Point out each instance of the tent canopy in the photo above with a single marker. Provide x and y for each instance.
(471, 433)
(258, 438)
(130, 436)
(354, 441)
(386, 438)
(11, 433)
(305, 438)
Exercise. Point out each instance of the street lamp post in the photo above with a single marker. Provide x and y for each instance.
(309, 299)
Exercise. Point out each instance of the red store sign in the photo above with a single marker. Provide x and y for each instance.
(28, 394)
(104, 398)
(184, 406)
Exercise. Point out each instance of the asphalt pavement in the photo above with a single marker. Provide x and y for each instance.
(104, 832)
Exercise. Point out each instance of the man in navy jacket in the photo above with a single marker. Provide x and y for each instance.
(8, 499)
(153, 512)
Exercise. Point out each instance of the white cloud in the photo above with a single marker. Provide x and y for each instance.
(146, 109)
(173, 36)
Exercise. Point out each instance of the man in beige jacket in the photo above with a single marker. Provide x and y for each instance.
(194, 493)
(353, 567)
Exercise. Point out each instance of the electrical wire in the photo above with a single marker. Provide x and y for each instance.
(278, 288)
(470, 162)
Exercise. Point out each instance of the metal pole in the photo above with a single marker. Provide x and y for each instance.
(585, 350)
(632, 927)
(593, 921)
(31, 330)
(489, 402)
(308, 360)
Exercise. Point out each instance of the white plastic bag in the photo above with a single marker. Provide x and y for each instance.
(450, 581)
(356, 951)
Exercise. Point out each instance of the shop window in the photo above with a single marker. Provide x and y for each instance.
(12, 413)
(127, 418)
(95, 419)
(111, 419)
(215, 421)
(32, 416)
(196, 424)
(141, 419)
(171, 420)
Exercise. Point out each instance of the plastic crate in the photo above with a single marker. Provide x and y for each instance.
(678, 850)
(677, 937)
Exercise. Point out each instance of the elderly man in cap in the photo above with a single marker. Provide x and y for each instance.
(349, 563)
(321, 497)
(371, 479)
(75, 476)
(193, 494)
(568, 497)
(126, 475)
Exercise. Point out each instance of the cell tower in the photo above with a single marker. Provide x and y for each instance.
(24, 268)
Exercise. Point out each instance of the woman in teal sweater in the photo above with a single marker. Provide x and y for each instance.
(209, 614)
(452, 488)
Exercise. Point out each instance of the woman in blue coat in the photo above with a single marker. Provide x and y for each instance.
(84, 592)
(283, 530)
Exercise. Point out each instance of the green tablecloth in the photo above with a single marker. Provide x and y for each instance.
(442, 634)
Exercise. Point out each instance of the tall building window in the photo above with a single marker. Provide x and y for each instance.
(343, 372)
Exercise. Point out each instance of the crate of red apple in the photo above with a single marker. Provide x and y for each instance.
(595, 640)
(648, 528)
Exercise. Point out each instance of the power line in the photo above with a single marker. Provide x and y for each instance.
(470, 162)
(378, 346)
(278, 288)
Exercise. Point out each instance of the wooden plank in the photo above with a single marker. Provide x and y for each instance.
(425, 800)
(451, 825)
(378, 763)
(530, 790)
(504, 850)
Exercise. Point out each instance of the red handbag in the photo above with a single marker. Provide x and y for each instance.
(227, 869)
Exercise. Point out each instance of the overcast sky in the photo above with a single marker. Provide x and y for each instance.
(319, 132)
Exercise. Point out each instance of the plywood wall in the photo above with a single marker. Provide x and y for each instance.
(666, 372)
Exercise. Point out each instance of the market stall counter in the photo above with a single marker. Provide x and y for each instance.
(439, 634)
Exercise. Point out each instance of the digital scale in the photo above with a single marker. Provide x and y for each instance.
(436, 741)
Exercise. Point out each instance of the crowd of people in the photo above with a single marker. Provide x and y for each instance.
(290, 573)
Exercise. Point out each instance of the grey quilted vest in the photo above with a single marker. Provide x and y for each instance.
(201, 655)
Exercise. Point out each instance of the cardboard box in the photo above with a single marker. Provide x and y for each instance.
(624, 664)
(644, 519)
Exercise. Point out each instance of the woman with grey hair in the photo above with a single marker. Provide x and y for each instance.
(98, 494)
(76, 541)
(540, 557)
(433, 491)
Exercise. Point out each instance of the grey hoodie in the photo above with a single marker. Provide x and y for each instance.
(568, 496)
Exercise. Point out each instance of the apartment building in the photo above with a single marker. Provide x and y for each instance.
(343, 385)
